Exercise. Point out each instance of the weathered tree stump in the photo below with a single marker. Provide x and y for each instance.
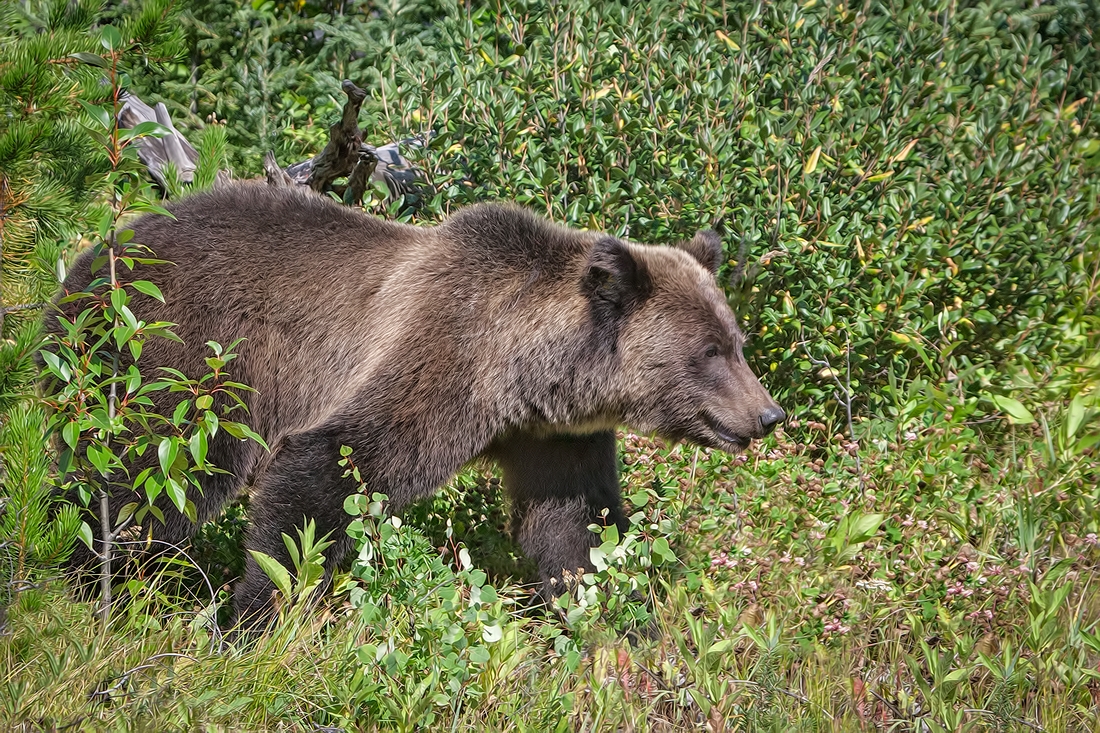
(341, 154)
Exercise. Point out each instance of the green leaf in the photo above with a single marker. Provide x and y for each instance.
(985, 317)
(100, 116)
(176, 493)
(110, 38)
(85, 534)
(119, 299)
(1075, 415)
(848, 552)
(100, 456)
(661, 548)
(126, 512)
(180, 413)
(864, 527)
(166, 454)
(149, 128)
(150, 208)
(1016, 412)
(276, 572)
(701, 701)
(598, 558)
(954, 677)
(242, 431)
(53, 363)
(130, 320)
(197, 445)
(356, 504)
(144, 286)
(92, 59)
(153, 488)
(1088, 442)
(754, 634)
(70, 433)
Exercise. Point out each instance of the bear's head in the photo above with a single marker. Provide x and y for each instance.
(678, 350)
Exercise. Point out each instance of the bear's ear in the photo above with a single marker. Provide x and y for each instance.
(613, 275)
(706, 247)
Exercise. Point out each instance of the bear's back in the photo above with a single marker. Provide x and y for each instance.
(506, 239)
(261, 223)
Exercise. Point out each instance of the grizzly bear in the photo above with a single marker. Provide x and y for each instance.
(495, 333)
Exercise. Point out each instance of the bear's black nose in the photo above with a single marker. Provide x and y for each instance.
(772, 417)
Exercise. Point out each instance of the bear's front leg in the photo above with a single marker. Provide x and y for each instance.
(559, 485)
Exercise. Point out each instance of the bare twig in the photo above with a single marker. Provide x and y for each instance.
(894, 708)
(844, 395)
(361, 176)
(342, 151)
(124, 678)
(105, 575)
(345, 155)
(820, 65)
(209, 586)
(652, 676)
(5, 309)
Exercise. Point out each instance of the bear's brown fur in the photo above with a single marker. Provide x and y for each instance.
(495, 333)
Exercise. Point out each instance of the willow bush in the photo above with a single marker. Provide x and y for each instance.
(913, 185)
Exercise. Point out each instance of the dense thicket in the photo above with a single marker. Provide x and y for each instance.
(909, 192)
(915, 184)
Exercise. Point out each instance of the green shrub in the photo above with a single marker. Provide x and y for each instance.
(916, 189)
(914, 185)
(53, 171)
(271, 71)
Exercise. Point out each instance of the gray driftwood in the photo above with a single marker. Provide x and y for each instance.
(345, 156)
(157, 152)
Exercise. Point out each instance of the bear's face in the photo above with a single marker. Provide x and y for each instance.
(678, 348)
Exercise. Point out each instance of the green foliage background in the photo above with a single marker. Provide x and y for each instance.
(915, 183)
(909, 196)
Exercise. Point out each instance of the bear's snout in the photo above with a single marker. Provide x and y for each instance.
(770, 418)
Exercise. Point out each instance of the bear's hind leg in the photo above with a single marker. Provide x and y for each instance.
(405, 455)
(560, 485)
(303, 481)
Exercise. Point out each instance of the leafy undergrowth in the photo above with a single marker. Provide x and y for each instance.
(920, 581)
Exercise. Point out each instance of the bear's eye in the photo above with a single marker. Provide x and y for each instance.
(711, 352)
